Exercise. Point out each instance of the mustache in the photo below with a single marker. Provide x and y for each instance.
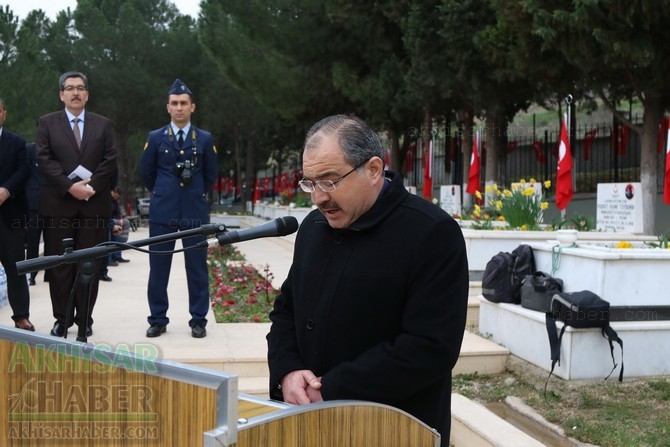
(329, 205)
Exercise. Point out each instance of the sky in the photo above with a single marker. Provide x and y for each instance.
(21, 8)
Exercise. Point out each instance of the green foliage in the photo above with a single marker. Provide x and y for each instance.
(661, 388)
(520, 206)
(303, 200)
(579, 222)
(662, 242)
(582, 222)
(633, 413)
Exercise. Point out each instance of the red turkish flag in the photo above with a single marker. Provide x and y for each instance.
(409, 157)
(589, 136)
(537, 148)
(428, 170)
(473, 178)
(564, 190)
(257, 191)
(666, 182)
(620, 136)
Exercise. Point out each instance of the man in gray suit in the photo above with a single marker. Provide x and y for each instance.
(13, 213)
(77, 157)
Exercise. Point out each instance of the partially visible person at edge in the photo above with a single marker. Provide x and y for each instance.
(179, 166)
(35, 221)
(13, 216)
(119, 226)
(374, 305)
(76, 154)
(114, 235)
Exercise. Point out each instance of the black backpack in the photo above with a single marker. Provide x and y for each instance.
(582, 309)
(505, 272)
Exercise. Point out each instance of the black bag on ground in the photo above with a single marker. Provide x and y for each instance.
(504, 274)
(538, 289)
(582, 309)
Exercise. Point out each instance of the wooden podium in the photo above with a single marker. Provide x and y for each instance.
(61, 393)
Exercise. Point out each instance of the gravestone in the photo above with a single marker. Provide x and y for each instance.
(450, 199)
(619, 207)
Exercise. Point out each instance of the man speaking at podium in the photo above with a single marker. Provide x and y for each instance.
(374, 306)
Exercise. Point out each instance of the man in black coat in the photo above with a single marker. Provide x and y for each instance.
(374, 306)
(13, 215)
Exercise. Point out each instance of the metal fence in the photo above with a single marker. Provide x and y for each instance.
(604, 153)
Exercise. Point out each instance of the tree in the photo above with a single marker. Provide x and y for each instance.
(619, 50)
(25, 72)
(132, 51)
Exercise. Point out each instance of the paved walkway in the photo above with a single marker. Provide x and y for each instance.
(120, 315)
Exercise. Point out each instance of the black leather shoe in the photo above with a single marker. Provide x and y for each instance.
(198, 330)
(112, 263)
(105, 277)
(32, 281)
(155, 330)
(88, 333)
(122, 260)
(24, 324)
(58, 330)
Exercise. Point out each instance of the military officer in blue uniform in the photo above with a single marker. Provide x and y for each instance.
(179, 166)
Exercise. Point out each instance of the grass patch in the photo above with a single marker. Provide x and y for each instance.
(605, 413)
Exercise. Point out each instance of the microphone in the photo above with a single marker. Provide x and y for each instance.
(282, 226)
(46, 262)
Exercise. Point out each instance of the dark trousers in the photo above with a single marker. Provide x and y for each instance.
(197, 277)
(63, 279)
(33, 236)
(12, 250)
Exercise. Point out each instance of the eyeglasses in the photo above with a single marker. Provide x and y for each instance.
(325, 185)
(72, 88)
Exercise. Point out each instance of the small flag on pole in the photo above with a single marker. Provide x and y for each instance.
(473, 178)
(428, 170)
(564, 190)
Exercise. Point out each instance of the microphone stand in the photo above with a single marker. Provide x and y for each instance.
(86, 265)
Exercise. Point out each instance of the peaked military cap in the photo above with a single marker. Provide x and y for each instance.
(179, 88)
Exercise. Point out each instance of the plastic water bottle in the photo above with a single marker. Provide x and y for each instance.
(4, 299)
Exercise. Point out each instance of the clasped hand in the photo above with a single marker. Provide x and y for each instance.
(81, 190)
(301, 387)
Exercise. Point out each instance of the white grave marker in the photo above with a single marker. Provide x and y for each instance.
(450, 199)
(619, 207)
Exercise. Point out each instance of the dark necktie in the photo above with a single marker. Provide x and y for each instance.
(180, 138)
(77, 133)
